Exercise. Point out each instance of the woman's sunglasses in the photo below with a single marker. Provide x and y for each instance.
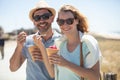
(68, 21)
(45, 16)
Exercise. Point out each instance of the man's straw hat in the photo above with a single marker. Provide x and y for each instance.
(40, 5)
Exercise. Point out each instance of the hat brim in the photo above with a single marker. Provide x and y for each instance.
(33, 10)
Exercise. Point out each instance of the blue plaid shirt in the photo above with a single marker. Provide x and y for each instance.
(37, 70)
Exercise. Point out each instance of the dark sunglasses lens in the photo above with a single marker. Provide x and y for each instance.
(70, 21)
(60, 22)
(36, 18)
(45, 16)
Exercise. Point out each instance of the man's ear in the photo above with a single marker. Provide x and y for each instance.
(34, 22)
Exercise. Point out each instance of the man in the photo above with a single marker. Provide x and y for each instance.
(42, 16)
(2, 42)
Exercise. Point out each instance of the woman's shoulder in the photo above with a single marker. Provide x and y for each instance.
(89, 38)
(91, 43)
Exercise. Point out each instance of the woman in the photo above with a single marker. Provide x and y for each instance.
(73, 25)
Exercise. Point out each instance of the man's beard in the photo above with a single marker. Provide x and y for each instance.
(45, 29)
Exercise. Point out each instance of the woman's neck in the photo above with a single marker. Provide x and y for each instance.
(73, 42)
(73, 38)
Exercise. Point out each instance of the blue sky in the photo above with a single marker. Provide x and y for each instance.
(102, 15)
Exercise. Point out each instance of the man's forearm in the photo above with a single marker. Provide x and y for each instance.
(17, 59)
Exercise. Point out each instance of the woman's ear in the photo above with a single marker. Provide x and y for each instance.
(77, 21)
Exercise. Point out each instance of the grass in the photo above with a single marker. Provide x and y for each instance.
(110, 50)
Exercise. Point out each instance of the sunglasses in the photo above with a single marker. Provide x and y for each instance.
(68, 21)
(45, 16)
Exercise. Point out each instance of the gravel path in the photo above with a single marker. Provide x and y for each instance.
(5, 73)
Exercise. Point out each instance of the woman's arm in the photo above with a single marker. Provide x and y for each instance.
(91, 73)
(50, 67)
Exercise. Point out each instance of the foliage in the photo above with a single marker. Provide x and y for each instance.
(110, 50)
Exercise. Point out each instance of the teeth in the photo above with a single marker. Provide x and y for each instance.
(42, 25)
(66, 29)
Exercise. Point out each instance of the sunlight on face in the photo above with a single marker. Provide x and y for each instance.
(67, 22)
(43, 25)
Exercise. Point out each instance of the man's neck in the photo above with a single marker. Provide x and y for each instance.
(49, 35)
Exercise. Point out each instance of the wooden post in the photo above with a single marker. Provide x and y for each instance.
(109, 76)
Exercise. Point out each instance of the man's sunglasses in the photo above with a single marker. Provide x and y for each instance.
(68, 21)
(45, 16)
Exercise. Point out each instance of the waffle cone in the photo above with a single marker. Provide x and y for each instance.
(51, 51)
(31, 49)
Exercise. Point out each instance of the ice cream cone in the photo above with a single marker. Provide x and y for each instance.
(51, 51)
(32, 49)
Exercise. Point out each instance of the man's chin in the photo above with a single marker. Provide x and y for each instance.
(43, 31)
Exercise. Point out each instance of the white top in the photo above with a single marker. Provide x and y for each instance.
(91, 54)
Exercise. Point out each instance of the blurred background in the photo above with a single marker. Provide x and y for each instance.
(104, 24)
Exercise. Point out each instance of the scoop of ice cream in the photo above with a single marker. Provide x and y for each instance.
(53, 47)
